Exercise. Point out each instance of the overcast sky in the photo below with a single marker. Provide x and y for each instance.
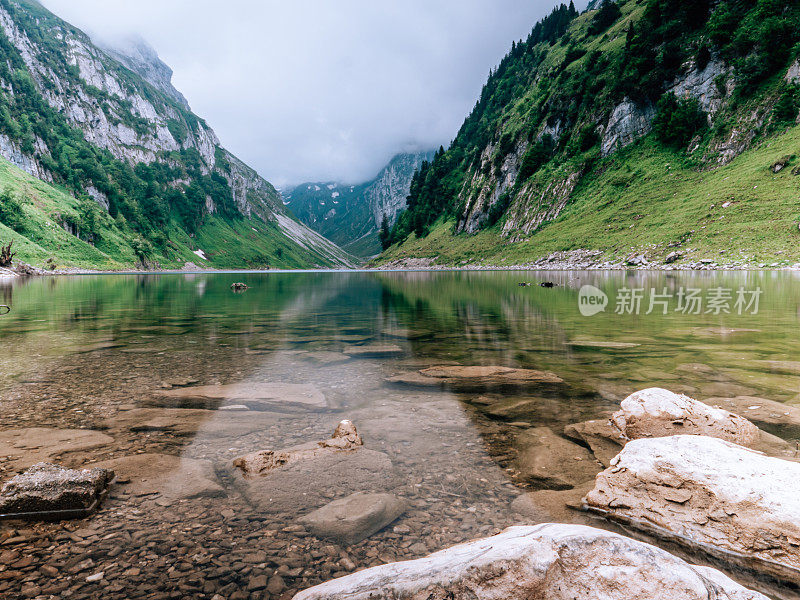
(315, 90)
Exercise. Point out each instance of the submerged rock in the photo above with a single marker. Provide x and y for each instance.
(549, 461)
(47, 488)
(374, 351)
(604, 439)
(547, 562)
(708, 493)
(164, 474)
(475, 377)
(309, 475)
(548, 506)
(25, 447)
(355, 518)
(762, 411)
(256, 395)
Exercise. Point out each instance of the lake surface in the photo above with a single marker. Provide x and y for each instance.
(105, 354)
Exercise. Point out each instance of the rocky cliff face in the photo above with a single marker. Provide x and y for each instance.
(138, 56)
(122, 101)
(386, 194)
(351, 215)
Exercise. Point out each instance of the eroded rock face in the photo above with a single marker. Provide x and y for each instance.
(627, 123)
(46, 488)
(656, 412)
(707, 492)
(604, 439)
(547, 562)
(355, 518)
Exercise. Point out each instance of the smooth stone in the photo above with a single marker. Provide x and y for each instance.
(165, 474)
(326, 358)
(708, 494)
(190, 421)
(354, 518)
(549, 461)
(256, 396)
(548, 562)
(475, 377)
(47, 488)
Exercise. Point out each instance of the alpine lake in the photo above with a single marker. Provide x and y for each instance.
(136, 372)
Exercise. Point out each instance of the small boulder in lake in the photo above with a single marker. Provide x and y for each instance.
(604, 439)
(48, 488)
(709, 494)
(355, 518)
(546, 562)
(239, 287)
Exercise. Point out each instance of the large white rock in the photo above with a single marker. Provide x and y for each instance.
(708, 493)
(656, 412)
(546, 562)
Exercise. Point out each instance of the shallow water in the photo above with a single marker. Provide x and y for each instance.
(96, 353)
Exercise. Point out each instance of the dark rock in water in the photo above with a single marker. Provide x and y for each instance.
(47, 488)
(238, 287)
(524, 284)
(355, 518)
(547, 284)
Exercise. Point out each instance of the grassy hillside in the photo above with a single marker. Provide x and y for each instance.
(544, 163)
(33, 214)
(646, 198)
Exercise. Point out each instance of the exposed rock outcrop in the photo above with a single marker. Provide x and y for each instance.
(708, 493)
(49, 488)
(628, 122)
(547, 562)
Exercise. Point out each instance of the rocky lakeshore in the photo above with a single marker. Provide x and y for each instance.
(236, 477)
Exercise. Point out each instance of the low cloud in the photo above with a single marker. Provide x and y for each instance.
(321, 89)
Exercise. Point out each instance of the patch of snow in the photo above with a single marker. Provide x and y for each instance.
(331, 186)
(335, 195)
(201, 254)
(317, 188)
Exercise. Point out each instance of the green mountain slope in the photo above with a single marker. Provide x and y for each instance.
(74, 116)
(642, 128)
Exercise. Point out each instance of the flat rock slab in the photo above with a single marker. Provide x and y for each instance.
(257, 396)
(326, 358)
(708, 493)
(26, 447)
(602, 344)
(604, 439)
(308, 484)
(187, 422)
(475, 377)
(164, 474)
(355, 518)
(551, 462)
(762, 411)
(47, 488)
(547, 562)
(375, 351)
